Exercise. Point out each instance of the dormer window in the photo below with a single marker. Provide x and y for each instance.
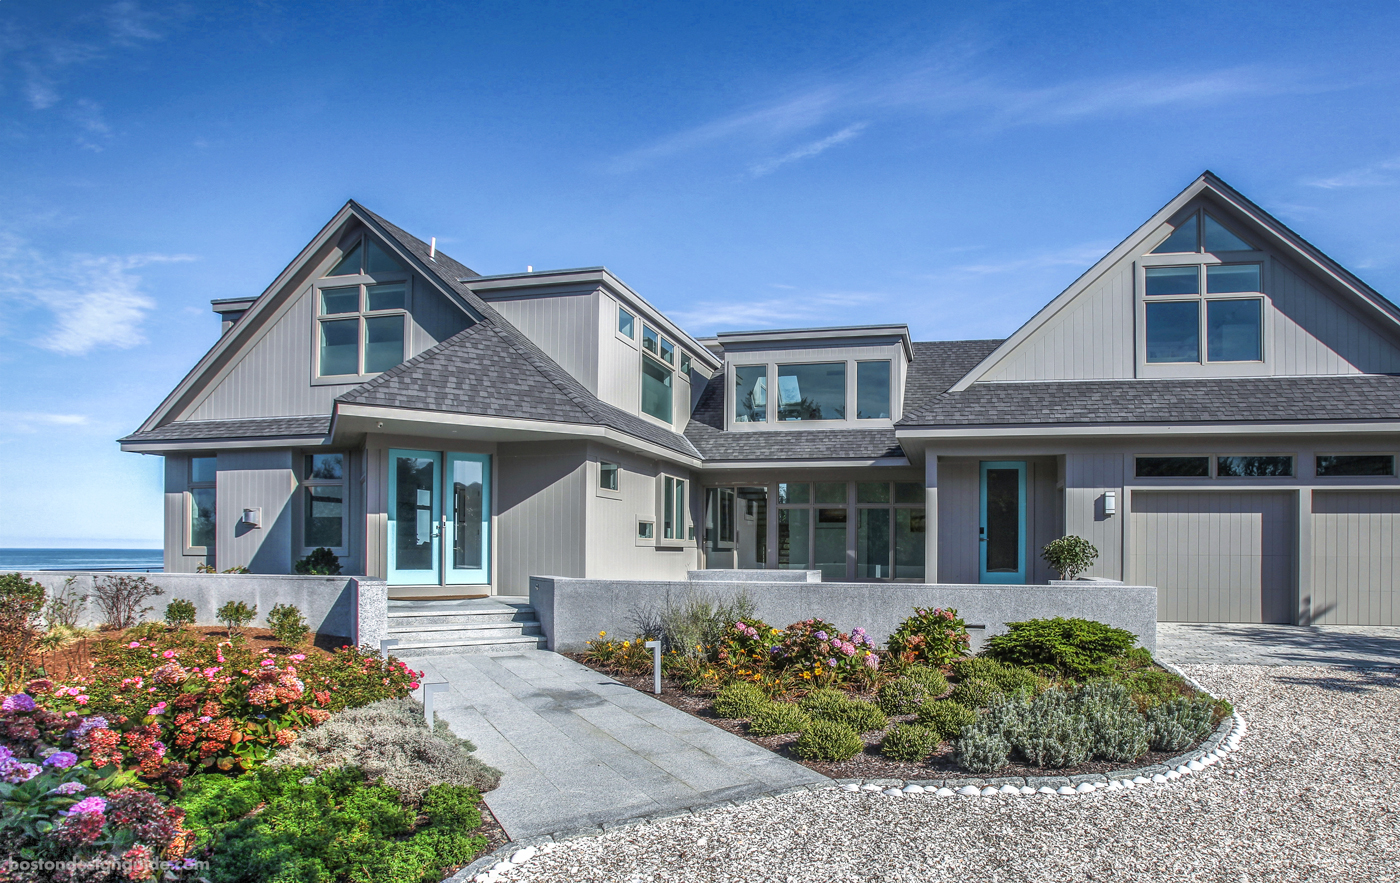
(361, 312)
(658, 378)
(812, 392)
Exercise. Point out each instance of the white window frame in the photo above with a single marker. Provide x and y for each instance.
(603, 490)
(678, 512)
(341, 550)
(190, 487)
(637, 531)
(662, 343)
(630, 340)
(363, 281)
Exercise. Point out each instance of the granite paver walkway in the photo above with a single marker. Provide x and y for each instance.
(1247, 644)
(578, 751)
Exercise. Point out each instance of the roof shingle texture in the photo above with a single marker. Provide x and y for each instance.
(259, 427)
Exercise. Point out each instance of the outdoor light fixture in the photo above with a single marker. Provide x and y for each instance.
(1110, 502)
(252, 517)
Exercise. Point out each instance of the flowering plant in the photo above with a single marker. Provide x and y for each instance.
(826, 655)
(630, 655)
(748, 643)
(930, 636)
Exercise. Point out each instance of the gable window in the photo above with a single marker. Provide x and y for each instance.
(323, 496)
(812, 392)
(1193, 234)
(361, 310)
(1178, 316)
(873, 390)
(203, 477)
(685, 363)
(626, 324)
(1330, 465)
(750, 393)
(657, 386)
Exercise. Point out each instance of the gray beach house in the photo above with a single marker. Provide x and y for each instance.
(1214, 404)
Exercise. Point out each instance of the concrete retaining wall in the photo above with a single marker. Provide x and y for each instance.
(754, 576)
(572, 611)
(350, 607)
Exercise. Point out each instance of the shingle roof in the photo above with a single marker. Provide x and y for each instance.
(1205, 400)
(260, 427)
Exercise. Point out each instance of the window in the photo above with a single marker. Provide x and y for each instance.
(751, 394)
(1193, 236)
(361, 326)
(626, 324)
(812, 392)
(889, 536)
(1330, 465)
(668, 352)
(1253, 467)
(203, 477)
(656, 389)
(608, 476)
(685, 363)
(651, 341)
(646, 530)
(1233, 326)
(323, 493)
(872, 390)
(1173, 467)
(673, 520)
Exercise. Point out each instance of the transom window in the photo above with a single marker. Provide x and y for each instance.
(1225, 466)
(1332, 465)
(812, 392)
(362, 313)
(1181, 311)
(323, 501)
(626, 323)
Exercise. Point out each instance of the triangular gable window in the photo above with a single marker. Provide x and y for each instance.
(349, 265)
(378, 261)
(1183, 238)
(1218, 238)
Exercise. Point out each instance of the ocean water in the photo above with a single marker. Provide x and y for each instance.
(146, 560)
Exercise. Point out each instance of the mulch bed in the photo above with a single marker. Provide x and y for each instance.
(870, 763)
(76, 658)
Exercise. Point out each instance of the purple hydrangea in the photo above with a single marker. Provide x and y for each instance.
(88, 804)
(61, 759)
(5, 754)
(831, 662)
(872, 661)
(820, 636)
(96, 722)
(18, 702)
(14, 773)
(69, 788)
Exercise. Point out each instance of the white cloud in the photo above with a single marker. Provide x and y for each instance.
(32, 421)
(816, 147)
(1385, 173)
(1081, 256)
(823, 308)
(95, 300)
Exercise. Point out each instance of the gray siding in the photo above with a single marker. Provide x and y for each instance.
(541, 513)
(1087, 477)
(959, 512)
(1356, 557)
(558, 323)
(1091, 338)
(1215, 556)
(255, 479)
(1314, 333)
(613, 551)
(177, 469)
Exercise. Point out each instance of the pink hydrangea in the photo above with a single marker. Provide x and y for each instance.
(88, 804)
(133, 645)
(168, 654)
(413, 685)
(871, 661)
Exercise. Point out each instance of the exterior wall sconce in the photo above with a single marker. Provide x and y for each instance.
(252, 517)
(1110, 502)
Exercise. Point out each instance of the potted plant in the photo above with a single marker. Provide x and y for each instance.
(1070, 556)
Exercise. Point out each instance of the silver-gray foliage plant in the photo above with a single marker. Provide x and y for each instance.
(1179, 722)
(699, 618)
(390, 741)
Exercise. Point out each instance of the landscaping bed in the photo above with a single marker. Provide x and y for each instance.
(1054, 697)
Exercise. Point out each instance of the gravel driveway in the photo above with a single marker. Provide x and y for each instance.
(1312, 794)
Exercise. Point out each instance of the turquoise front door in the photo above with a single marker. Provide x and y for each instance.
(1002, 533)
(468, 481)
(415, 508)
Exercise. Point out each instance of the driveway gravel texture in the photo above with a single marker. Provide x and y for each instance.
(1313, 793)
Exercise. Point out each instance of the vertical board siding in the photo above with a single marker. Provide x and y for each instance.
(1087, 478)
(612, 521)
(176, 485)
(1215, 556)
(959, 514)
(541, 513)
(1044, 515)
(1091, 338)
(1356, 557)
(559, 325)
(1313, 333)
(250, 479)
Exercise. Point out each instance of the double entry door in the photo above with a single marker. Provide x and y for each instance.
(439, 518)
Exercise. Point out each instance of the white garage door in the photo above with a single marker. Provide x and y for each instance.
(1356, 557)
(1215, 556)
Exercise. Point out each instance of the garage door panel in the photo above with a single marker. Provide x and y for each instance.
(1356, 557)
(1215, 556)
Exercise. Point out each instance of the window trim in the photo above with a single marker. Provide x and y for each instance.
(673, 504)
(362, 281)
(601, 489)
(630, 340)
(190, 487)
(775, 395)
(1394, 464)
(1203, 366)
(889, 388)
(305, 483)
(639, 521)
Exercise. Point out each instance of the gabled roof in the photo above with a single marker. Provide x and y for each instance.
(1265, 225)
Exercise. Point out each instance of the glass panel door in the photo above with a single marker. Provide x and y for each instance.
(873, 543)
(414, 508)
(751, 528)
(1003, 529)
(468, 478)
(830, 544)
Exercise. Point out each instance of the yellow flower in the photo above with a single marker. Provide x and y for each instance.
(626, 644)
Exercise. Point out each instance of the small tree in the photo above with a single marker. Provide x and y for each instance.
(21, 606)
(179, 613)
(321, 562)
(120, 599)
(65, 605)
(235, 615)
(287, 624)
(1070, 555)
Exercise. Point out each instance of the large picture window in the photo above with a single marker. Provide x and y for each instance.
(323, 501)
(812, 392)
(362, 313)
(1178, 316)
(202, 500)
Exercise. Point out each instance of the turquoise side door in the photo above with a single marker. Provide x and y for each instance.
(1002, 533)
(415, 510)
(467, 480)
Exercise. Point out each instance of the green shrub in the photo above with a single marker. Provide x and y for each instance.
(777, 718)
(236, 615)
(21, 609)
(974, 693)
(1069, 556)
(833, 705)
(1177, 723)
(390, 741)
(929, 636)
(909, 742)
(739, 700)
(949, 718)
(1152, 686)
(981, 749)
(321, 562)
(287, 624)
(932, 679)
(1005, 678)
(1119, 730)
(1078, 648)
(824, 703)
(829, 741)
(902, 696)
(120, 597)
(179, 613)
(1053, 732)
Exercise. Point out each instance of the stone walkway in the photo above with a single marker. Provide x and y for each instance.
(1246, 644)
(578, 751)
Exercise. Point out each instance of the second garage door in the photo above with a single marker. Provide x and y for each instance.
(1356, 557)
(1215, 556)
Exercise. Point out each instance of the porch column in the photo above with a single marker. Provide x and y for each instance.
(930, 516)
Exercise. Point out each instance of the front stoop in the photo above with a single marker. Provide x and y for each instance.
(477, 625)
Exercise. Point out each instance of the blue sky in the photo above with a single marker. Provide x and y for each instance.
(742, 165)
